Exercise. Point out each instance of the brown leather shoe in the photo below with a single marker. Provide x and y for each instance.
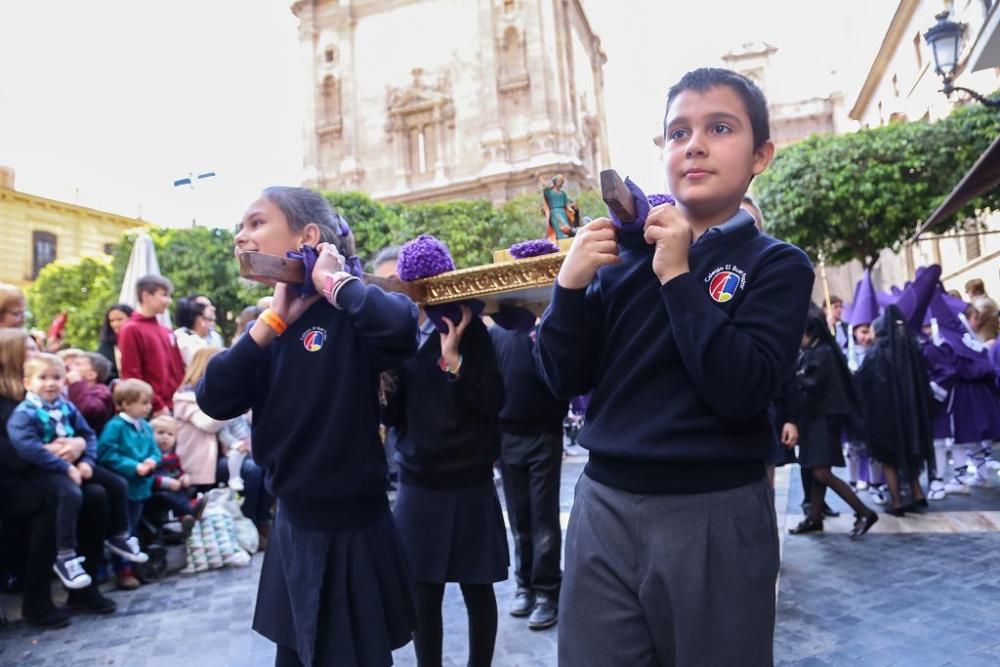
(127, 581)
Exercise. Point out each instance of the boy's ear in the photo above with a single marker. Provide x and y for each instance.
(762, 157)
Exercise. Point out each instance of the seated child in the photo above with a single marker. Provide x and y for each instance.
(234, 446)
(127, 445)
(171, 485)
(69, 355)
(43, 418)
(86, 377)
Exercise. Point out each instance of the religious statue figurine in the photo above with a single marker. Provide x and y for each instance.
(561, 213)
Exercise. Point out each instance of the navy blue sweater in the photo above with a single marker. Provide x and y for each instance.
(314, 396)
(529, 407)
(449, 434)
(682, 374)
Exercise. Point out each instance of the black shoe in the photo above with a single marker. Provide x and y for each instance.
(544, 615)
(896, 511)
(90, 601)
(524, 602)
(829, 513)
(862, 524)
(46, 616)
(807, 525)
(916, 507)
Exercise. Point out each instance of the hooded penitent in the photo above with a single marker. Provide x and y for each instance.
(975, 403)
(895, 393)
(865, 308)
(915, 297)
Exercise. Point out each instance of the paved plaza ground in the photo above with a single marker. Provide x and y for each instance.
(923, 591)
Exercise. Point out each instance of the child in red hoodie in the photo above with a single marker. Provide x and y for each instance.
(86, 376)
(149, 350)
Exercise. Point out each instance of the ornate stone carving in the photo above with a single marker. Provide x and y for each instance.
(419, 117)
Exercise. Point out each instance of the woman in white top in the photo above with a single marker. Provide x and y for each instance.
(194, 322)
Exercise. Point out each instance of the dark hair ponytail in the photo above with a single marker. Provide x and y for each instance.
(302, 206)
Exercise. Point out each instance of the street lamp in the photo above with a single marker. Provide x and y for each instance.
(946, 41)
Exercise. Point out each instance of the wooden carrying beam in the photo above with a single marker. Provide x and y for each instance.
(525, 282)
(271, 269)
(617, 196)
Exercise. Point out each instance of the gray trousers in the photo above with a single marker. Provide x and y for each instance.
(669, 579)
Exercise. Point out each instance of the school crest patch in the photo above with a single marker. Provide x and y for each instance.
(313, 339)
(725, 282)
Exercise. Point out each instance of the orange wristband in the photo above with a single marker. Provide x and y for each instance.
(273, 320)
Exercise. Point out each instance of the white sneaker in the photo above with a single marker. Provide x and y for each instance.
(877, 496)
(956, 487)
(127, 548)
(862, 485)
(937, 490)
(987, 473)
(71, 573)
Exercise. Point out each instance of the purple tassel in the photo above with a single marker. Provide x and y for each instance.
(423, 257)
(353, 266)
(308, 255)
(533, 248)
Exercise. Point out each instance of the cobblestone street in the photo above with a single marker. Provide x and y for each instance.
(918, 591)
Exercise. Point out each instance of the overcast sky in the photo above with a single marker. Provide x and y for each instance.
(106, 102)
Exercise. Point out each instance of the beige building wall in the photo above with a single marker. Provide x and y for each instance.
(902, 85)
(417, 100)
(77, 231)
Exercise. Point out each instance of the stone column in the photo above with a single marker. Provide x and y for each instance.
(597, 60)
(492, 137)
(401, 137)
(350, 110)
(438, 126)
(538, 54)
(311, 175)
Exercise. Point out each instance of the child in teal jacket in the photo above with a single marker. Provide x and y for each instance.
(127, 445)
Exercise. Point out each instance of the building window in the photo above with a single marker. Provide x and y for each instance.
(43, 251)
(109, 248)
(971, 242)
(330, 55)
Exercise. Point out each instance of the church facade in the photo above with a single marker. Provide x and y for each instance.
(422, 100)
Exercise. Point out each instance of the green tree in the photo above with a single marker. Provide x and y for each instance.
(473, 229)
(851, 196)
(83, 290)
(198, 260)
(970, 130)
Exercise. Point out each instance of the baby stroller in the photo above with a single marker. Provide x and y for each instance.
(163, 539)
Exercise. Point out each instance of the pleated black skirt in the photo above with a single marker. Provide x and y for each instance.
(337, 598)
(820, 444)
(453, 535)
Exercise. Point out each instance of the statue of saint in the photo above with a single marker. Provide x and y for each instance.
(560, 211)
